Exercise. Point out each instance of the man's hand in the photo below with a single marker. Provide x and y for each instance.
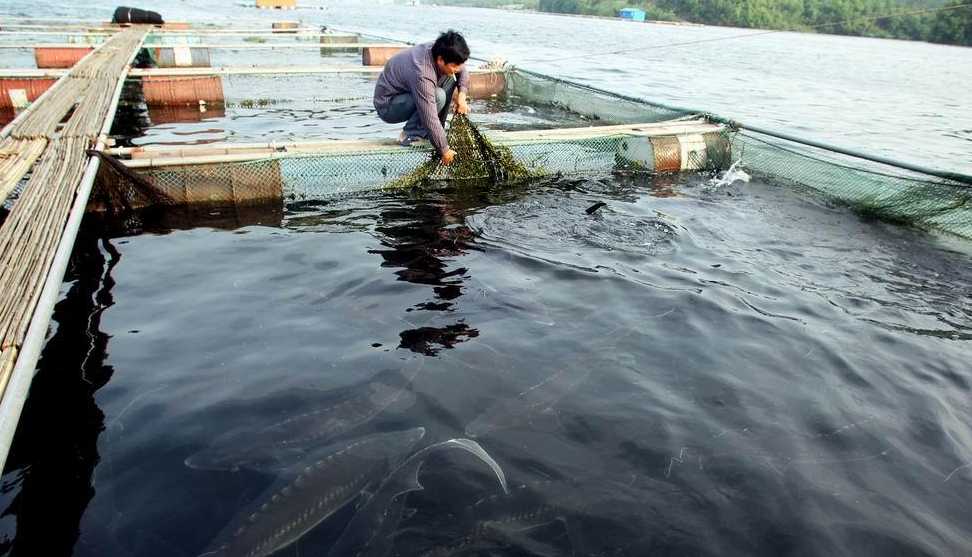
(462, 107)
(448, 157)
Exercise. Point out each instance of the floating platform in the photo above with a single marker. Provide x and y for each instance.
(181, 86)
(271, 172)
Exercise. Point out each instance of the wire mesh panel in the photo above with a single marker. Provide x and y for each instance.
(308, 176)
(875, 189)
(239, 183)
(880, 190)
(595, 104)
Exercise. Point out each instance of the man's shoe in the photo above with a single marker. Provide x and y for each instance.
(410, 140)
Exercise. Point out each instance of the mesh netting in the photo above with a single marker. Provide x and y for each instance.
(871, 188)
(877, 189)
(310, 176)
(595, 104)
(477, 158)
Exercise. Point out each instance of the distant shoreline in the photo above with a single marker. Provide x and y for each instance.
(678, 23)
(931, 33)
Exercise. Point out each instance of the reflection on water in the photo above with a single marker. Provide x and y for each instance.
(55, 452)
(421, 240)
(731, 370)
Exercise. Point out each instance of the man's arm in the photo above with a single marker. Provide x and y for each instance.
(424, 93)
(462, 78)
(462, 91)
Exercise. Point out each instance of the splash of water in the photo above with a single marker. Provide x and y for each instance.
(728, 177)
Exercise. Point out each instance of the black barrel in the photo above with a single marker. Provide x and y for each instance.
(124, 14)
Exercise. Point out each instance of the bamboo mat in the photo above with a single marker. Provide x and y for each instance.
(29, 237)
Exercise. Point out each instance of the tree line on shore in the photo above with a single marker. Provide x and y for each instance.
(941, 21)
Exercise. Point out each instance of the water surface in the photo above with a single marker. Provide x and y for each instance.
(697, 368)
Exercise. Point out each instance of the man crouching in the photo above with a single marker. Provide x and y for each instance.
(418, 86)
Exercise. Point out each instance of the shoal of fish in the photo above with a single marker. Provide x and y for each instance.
(319, 471)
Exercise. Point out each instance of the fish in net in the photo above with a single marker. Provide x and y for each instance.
(477, 159)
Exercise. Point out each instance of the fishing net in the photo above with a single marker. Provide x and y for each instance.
(477, 158)
(299, 176)
(119, 188)
(873, 189)
(876, 189)
(594, 104)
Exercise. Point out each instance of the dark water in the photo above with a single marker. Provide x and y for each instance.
(694, 369)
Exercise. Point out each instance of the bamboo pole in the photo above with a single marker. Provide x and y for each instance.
(24, 139)
(243, 70)
(306, 33)
(35, 242)
(693, 125)
(31, 72)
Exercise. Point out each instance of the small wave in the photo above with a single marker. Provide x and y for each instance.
(556, 224)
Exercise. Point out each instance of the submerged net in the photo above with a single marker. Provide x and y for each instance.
(477, 158)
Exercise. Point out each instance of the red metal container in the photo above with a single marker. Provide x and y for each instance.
(378, 55)
(60, 58)
(33, 87)
(668, 153)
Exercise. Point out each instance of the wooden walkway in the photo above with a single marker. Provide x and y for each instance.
(50, 140)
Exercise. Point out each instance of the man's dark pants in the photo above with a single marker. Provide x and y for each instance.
(402, 108)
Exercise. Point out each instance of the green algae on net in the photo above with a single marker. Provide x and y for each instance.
(477, 158)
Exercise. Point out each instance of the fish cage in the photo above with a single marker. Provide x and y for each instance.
(199, 123)
(572, 129)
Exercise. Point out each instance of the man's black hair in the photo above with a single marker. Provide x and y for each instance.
(451, 47)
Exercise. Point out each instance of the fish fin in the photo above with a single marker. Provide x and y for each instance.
(377, 515)
(473, 448)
